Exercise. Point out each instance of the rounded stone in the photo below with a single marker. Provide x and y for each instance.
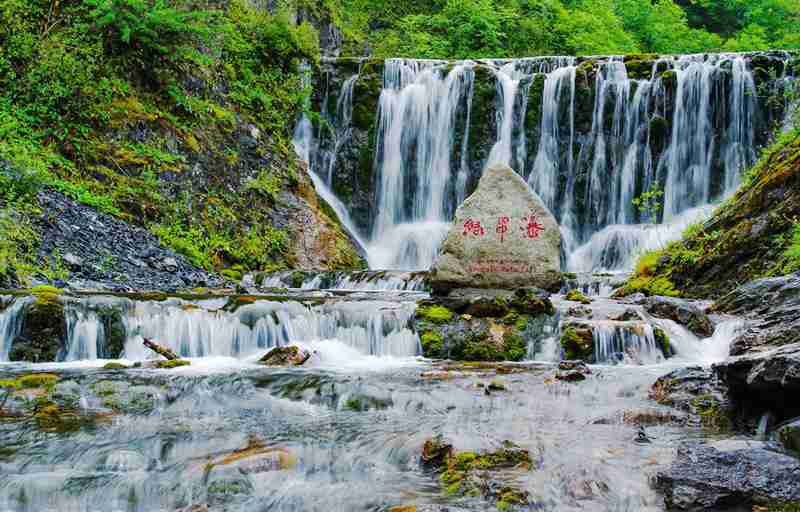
(503, 237)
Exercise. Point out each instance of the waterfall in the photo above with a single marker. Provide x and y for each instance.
(685, 127)
(303, 142)
(548, 160)
(508, 79)
(415, 126)
(11, 315)
(628, 342)
(205, 328)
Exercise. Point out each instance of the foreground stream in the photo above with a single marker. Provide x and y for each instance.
(343, 433)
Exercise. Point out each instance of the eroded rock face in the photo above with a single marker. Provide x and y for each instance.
(503, 237)
(285, 356)
(765, 372)
(682, 312)
(728, 474)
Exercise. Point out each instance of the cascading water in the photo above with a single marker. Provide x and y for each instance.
(688, 126)
(10, 322)
(202, 329)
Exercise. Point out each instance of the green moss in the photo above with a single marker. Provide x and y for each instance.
(780, 506)
(354, 404)
(577, 296)
(170, 364)
(432, 345)
(435, 314)
(232, 275)
(578, 343)
(115, 366)
(662, 340)
(38, 380)
(639, 68)
(712, 415)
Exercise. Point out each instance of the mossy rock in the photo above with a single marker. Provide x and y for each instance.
(432, 345)
(169, 364)
(38, 380)
(435, 314)
(639, 69)
(44, 330)
(578, 343)
(577, 296)
(663, 343)
(115, 366)
(473, 473)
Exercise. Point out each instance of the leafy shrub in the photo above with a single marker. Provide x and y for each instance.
(152, 33)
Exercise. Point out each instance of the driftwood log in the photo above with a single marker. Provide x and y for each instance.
(160, 350)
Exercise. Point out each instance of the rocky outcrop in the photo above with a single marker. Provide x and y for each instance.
(101, 251)
(44, 330)
(503, 237)
(699, 392)
(482, 325)
(730, 475)
(683, 312)
(765, 370)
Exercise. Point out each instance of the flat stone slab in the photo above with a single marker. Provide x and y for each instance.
(503, 237)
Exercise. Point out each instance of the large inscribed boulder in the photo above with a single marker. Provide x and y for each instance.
(503, 237)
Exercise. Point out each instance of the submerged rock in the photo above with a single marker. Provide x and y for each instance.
(682, 312)
(728, 474)
(479, 474)
(503, 237)
(285, 356)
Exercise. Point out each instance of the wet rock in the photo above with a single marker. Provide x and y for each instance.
(475, 474)
(44, 330)
(577, 296)
(649, 417)
(503, 237)
(627, 316)
(572, 371)
(580, 312)
(789, 435)
(436, 453)
(699, 392)
(766, 379)
(682, 312)
(285, 356)
(577, 340)
(726, 474)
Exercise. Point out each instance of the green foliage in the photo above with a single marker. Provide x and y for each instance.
(515, 28)
(649, 203)
(792, 253)
(152, 34)
(435, 314)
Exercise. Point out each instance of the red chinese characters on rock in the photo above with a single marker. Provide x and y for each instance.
(473, 227)
(502, 228)
(530, 228)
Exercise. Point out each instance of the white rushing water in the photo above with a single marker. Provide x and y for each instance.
(11, 310)
(702, 113)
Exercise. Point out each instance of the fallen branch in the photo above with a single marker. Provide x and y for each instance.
(160, 350)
